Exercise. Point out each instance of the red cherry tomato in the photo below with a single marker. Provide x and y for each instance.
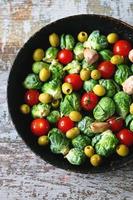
(65, 56)
(40, 126)
(125, 136)
(107, 69)
(89, 100)
(31, 97)
(122, 47)
(64, 124)
(74, 80)
(116, 123)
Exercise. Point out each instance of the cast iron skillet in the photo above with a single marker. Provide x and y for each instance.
(22, 66)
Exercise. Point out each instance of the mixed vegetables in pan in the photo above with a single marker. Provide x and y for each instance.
(80, 96)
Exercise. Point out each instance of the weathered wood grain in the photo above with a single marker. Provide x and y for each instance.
(23, 175)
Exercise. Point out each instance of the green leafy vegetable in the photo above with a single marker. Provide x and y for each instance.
(59, 144)
(122, 73)
(57, 70)
(67, 42)
(40, 110)
(53, 88)
(122, 101)
(89, 85)
(106, 54)
(54, 116)
(104, 109)
(105, 143)
(50, 54)
(79, 51)
(108, 84)
(70, 103)
(37, 66)
(84, 126)
(81, 141)
(75, 156)
(129, 121)
(32, 82)
(88, 66)
(73, 67)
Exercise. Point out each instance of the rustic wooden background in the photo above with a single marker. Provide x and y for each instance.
(23, 175)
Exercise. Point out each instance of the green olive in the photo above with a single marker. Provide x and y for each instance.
(72, 133)
(54, 40)
(38, 54)
(89, 151)
(25, 109)
(82, 36)
(96, 160)
(45, 98)
(95, 74)
(75, 116)
(85, 74)
(55, 103)
(67, 88)
(43, 140)
(122, 150)
(44, 74)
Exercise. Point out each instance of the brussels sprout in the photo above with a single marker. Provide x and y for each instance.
(57, 70)
(84, 126)
(37, 66)
(129, 121)
(51, 54)
(109, 86)
(117, 87)
(59, 144)
(104, 109)
(88, 66)
(106, 54)
(122, 73)
(75, 156)
(122, 101)
(53, 117)
(73, 67)
(79, 51)
(32, 82)
(89, 85)
(53, 88)
(131, 126)
(105, 143)
(81, 141)
(40, 110)
(70, 103)
(96, 41)
(67, 42)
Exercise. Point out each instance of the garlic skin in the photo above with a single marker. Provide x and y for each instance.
(90, 55)
(130, 55)
(99, 127)
(128, 85)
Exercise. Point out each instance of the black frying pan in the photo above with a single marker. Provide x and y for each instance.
(22, 66)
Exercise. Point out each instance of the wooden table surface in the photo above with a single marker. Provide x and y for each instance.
(23, 175)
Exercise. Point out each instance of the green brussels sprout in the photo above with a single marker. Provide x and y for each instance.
(81, 141)
(105, 143)
(89, 85)
(104, 109)
(122, 101)
(51, 54)
(75, 156)
(54, 116)
(79, 51)
(67, 42)
(70, 103)
(57, 70)
(106, 54)
(53, 88)
(87, 65)
(129, 121)
(37, 66)
(84, 126)
(40, 110)
(32, 81)
(73, 67)
(132, 68)
(108, 84)
(96, 41)
(117, 87)
(122, 73)
(59, 144)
